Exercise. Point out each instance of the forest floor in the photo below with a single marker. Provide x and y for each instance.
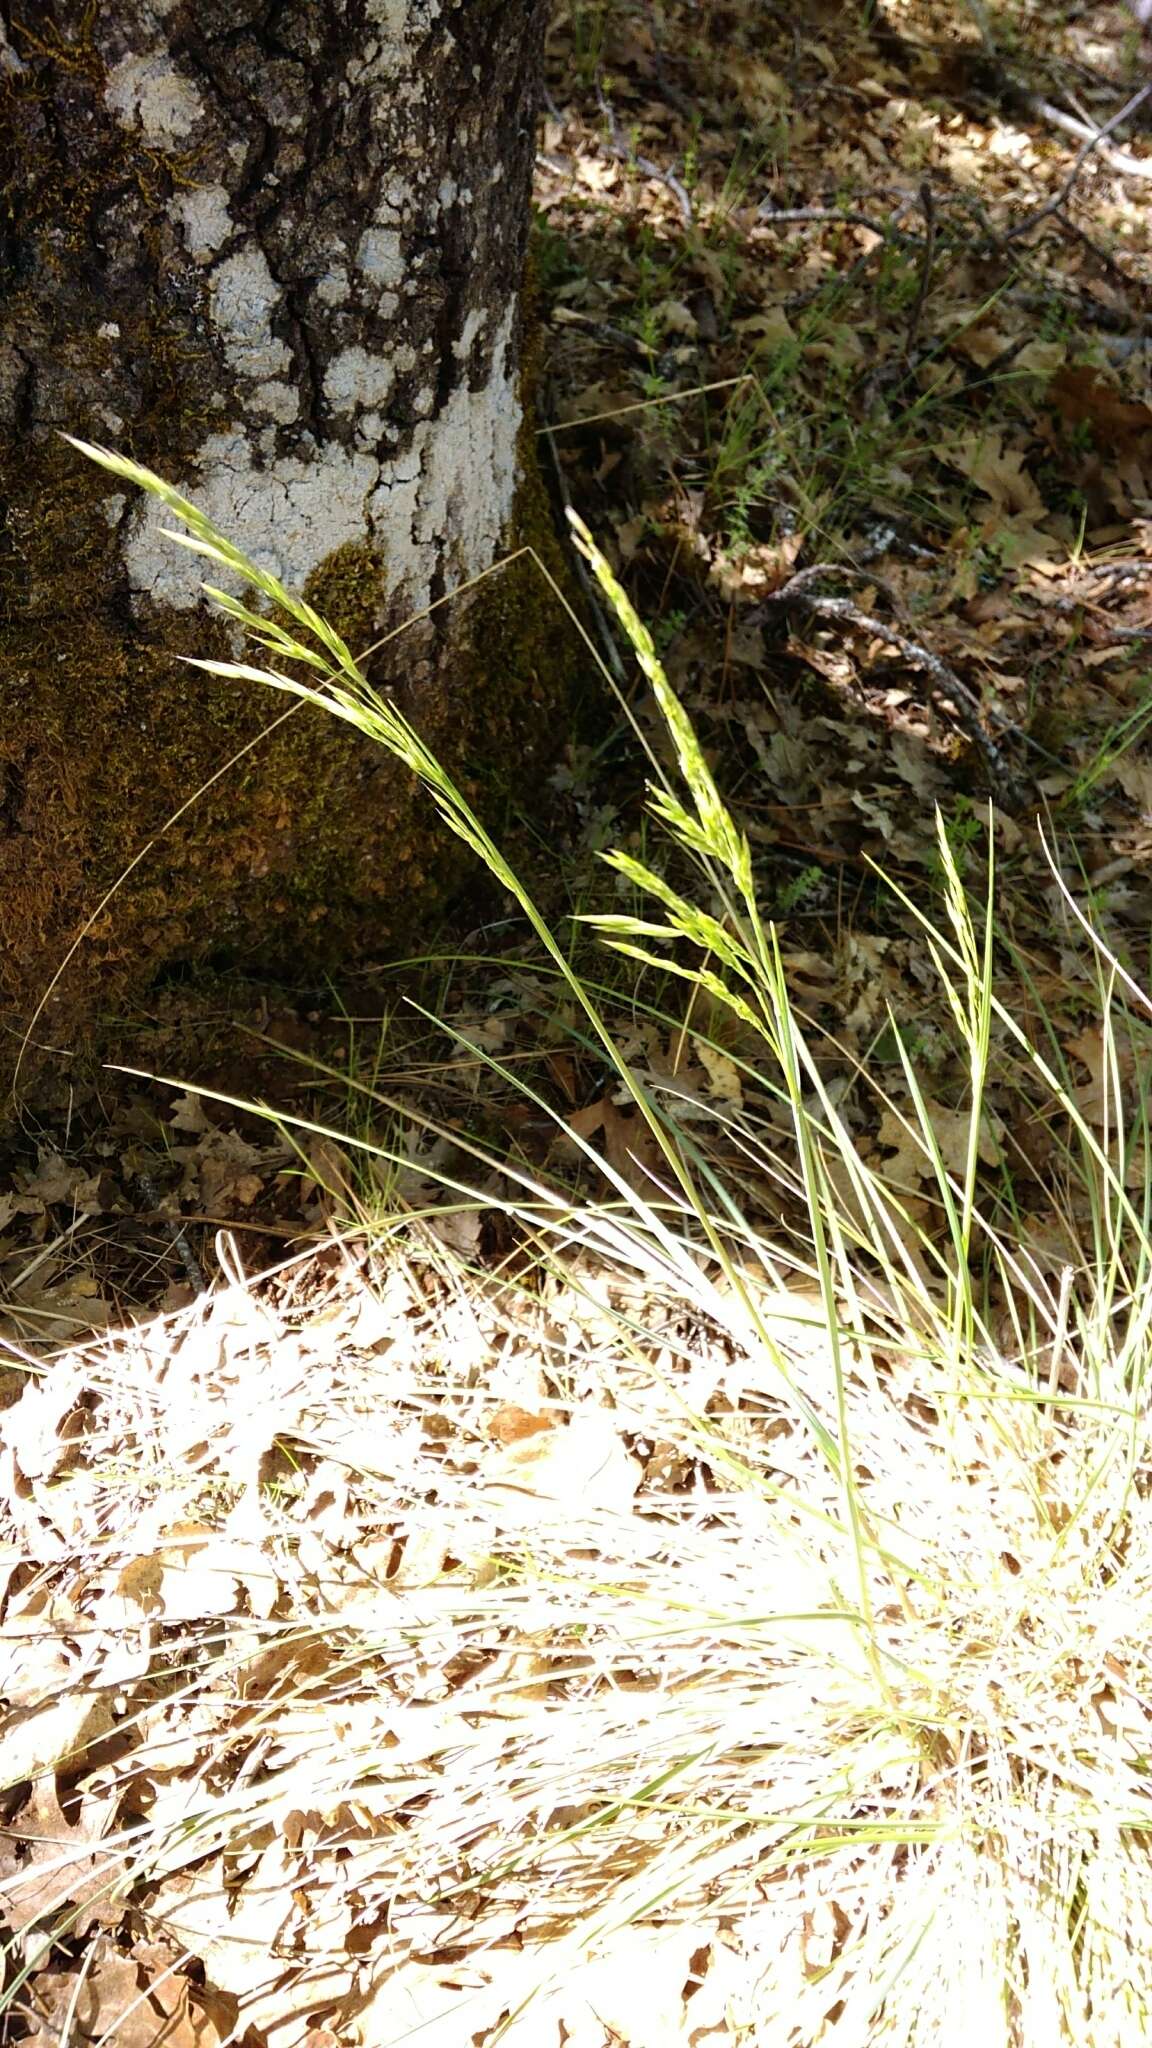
(387, 1649)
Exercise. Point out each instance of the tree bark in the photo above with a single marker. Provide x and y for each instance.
(274, 250)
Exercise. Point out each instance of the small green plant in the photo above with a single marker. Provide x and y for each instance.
(690, 170)
(669, 626)
(800, 890)
(589, 21)
(554, 257)
(761, 156)
(898, 279)
(1117, 742)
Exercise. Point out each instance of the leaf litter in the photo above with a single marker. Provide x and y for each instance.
(370, 1663)
(249, 1572)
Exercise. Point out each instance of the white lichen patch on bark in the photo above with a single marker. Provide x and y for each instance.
(380, 256)
(205, 220)
(355, 379)
(9, 61)
(392, 201)
(443, 504)
(286, 516)
(244, 295)
(473, 327)
(391, 16)
(448, 499)
(399, 23)
(150, 90)
(333, 288)
(281, 402)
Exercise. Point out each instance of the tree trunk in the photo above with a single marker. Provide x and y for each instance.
(272, 249)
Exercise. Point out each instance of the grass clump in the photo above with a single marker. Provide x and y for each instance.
(733, 1613)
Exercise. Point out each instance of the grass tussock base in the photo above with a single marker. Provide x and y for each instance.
(686, 1631)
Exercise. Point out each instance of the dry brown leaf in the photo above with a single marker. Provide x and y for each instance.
(676, 318)
(40, 1428)
(237, 1932)
(59, 1180)
(189, 1114)
(512, 1425)
(909, 1159)
(1081, 395)
(760, 91)
(48, 1738)
(1109, 1065)
(598, 174)
(631, 1990)
(232, 1172)
(904, 1162)
(951, 1129)
(996, 470)
(198, 1575)
(48, 1862)
(116, 2000)
(629, 1146)
(581, 1466)
(36, 1656)
(724, 1081)
(773, 328)
(328, 1174)
(439, 2006)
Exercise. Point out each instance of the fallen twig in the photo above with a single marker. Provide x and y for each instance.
(1038, 297)
(174, 1225)
(620, 149)
(946, 683)
(1120, 573)
(1095, 140)
(1101, 620)
(802, 216)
